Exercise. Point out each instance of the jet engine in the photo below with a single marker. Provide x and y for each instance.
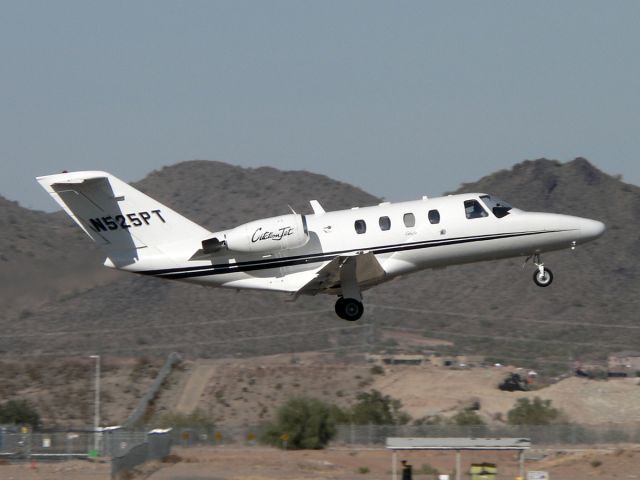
(266, 235)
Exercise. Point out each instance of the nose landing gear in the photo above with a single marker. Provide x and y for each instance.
(542, 276)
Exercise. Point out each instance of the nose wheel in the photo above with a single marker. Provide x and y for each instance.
(349, 309)
(542, 276)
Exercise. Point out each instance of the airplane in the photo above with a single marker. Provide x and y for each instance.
(339, 253)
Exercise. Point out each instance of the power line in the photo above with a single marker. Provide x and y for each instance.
(502, 338)
(205, 343)
(80, 353)
(164, 326)
(504, 317)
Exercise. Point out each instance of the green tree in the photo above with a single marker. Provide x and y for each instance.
(19, 412)
(375, 408)
(538, 412)
(304, 423)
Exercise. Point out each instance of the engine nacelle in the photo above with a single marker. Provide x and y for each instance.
(269, 234)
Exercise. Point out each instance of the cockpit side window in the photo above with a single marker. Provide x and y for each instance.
(499, 207)
(473, 209)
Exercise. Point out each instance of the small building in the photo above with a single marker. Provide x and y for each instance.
(452, 361)
(624, 360)
(457, 445)
(399, 359)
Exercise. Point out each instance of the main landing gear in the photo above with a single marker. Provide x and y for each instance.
(349, 305)
(349, 309)
(542, 276)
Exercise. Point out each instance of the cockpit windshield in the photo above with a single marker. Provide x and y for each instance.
(497, 206)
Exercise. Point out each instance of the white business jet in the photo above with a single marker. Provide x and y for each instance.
(340, 253)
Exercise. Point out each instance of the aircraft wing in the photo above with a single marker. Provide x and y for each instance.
(367, 271)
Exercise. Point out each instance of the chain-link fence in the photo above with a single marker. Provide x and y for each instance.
(375, 435)
(126, 449)
(114, 443)
(540, 435)
(129, 452)
(63, 445)
(247, 436)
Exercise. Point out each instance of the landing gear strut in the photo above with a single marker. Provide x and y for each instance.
(542, 276)
(349, 309)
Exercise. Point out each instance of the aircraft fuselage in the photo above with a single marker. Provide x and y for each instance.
(407, 245)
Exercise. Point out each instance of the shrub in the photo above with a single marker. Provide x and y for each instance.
(19, 412)
(538, 412)
(375, 408)
(306, 423)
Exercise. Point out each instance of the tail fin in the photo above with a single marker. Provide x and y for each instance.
(128, 224)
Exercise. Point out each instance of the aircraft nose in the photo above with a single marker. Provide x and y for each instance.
(591, 229)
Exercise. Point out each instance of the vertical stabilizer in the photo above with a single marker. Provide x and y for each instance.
(125, 222)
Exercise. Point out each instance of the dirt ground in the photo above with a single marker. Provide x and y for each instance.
(64, 470)
(428, 390)
(375, 464)
(261, 463)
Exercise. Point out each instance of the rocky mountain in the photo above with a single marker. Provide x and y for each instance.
(489, 308)
(41, 257)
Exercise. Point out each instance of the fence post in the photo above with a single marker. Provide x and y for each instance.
(29, 435)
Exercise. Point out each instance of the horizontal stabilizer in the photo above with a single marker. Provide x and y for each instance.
(74, 179)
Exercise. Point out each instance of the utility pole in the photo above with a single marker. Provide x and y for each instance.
(96, 417)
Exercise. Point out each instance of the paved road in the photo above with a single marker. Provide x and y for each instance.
(202, 373)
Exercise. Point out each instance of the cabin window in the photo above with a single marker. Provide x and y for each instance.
(385, 223)
(360, 226)
(434, 216)
(473, 209)
(409, 220)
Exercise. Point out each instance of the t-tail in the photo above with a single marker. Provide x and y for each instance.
(135, 231)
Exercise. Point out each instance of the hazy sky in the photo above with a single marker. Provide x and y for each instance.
(400, 98)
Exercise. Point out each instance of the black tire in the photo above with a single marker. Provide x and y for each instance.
(349, 309)
(543, 280)
(353, 309)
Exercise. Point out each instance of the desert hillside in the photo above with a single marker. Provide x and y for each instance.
(69, 304)
(246, 391)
